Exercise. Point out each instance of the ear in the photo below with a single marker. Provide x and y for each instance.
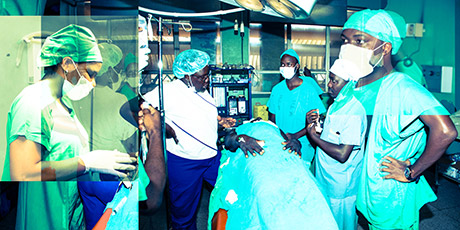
(298, 66)
(67, 64)
(387, 48)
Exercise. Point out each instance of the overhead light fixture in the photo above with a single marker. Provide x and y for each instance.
(254, 5)
(298, 9)
(295, 9)
(280, 8)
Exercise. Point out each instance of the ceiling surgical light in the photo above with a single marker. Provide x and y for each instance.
(295, 9)
(280, 8)
(254, 5)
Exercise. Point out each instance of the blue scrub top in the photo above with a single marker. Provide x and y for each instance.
(291, 106)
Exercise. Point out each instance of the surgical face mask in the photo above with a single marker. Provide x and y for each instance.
(78, 91)
(116, 84)
(287, 72)
(361, 57)
(143, 44)
(132, 81)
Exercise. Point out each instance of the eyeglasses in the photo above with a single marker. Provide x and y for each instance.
(201, 78)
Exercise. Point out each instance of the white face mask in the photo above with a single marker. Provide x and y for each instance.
(287, 72)
(78, 91)
(132, 81)
(191, 86)
(361, 57)
(143, 44)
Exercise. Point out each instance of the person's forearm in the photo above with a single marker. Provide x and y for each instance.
(51, 171)
(272, 117)
(62, 170)
(231, 140)
(156, 170)
(26, 163)
(299, 134)
(437, 143)
(340, 153)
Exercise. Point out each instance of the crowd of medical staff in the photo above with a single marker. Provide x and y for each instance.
(382, 131)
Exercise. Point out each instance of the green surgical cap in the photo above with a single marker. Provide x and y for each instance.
(189, 62)
(291, 52)
(384, 25)
(111, 55)
(129, 59)
(76, 42)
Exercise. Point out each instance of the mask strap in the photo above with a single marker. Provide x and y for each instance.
(77, 69)
(65, 72)
(379, 46)
(381, 57)
(190, 81)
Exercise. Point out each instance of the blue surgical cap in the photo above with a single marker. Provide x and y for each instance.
(189, 62)
(291, 52)
(74, 41)
(384, 25)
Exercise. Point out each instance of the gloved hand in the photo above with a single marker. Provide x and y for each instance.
(109, 162)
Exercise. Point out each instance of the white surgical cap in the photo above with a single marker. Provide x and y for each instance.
(344, 69)
(111, 54)
(189, 62)
(384, 25)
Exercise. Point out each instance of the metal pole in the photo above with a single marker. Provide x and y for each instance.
(160, 84)
(162, 114)
(327, 61)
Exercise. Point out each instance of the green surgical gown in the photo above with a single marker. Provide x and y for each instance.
(395, 131)
(38, 117)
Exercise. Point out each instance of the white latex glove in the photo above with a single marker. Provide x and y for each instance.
(108, 162)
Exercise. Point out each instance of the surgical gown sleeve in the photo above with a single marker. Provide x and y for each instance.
(26, 118)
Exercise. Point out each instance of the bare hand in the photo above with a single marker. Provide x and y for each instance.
(251, 145)
(312, 116)
(395, 168)
(311, 129)
(170, 133)
(292, 144)
(149, 119)
(226, 122)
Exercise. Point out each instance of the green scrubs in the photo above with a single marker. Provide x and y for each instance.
(143, 181)
(291, 106)
(102, 105)
(395, 131)
(38, 117)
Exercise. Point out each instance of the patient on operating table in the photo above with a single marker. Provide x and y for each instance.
(272, 191)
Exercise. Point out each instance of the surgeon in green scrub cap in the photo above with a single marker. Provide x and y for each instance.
(409, 129)
(47, 142)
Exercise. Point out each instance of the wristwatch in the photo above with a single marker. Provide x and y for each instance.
(407, 174)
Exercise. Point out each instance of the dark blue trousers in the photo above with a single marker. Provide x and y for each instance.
(185, 183)
(95, 195)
